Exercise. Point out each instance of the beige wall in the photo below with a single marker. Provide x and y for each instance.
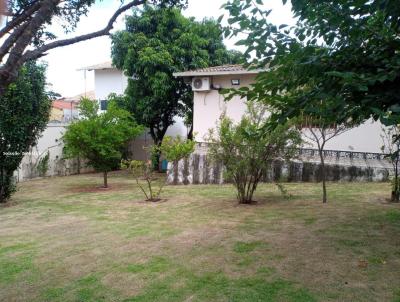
(208, 107)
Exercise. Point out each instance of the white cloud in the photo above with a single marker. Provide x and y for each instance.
(63, 63)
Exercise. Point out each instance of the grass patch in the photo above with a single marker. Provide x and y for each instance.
(247, 247)
(155, 265)
(218, 287)
(94, 245)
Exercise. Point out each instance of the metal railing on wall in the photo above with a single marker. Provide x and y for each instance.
(309, 152)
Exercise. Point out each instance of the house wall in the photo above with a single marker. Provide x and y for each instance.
(109, 81)
(208, 107)
(56, 114)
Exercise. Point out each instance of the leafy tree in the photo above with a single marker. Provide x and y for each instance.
(246, 150)
(155, 44)
(24, 111)
(391, 146)
(27, 36)
(100, 138)
(341, 52)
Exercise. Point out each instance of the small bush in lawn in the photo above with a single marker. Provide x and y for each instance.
(143, 170)
(172, 149)
(246, 149)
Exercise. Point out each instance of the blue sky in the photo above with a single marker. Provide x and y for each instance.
(63, 63)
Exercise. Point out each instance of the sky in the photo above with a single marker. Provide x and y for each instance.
(63, 72)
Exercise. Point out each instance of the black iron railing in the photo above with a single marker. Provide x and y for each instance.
(343, 154)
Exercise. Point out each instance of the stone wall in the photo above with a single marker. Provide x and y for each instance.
(340, 166)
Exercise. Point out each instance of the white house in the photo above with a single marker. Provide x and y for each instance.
(209, 104)
(107, 80)
(355, 154)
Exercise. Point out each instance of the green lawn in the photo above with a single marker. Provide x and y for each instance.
(61, 239)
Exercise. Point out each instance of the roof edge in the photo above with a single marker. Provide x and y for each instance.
(195, 73)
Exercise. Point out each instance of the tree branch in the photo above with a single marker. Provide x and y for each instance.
(39, 52)
(10, 69)
(11, 39)
(17, 20)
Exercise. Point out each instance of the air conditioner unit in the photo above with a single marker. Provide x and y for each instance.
(201, 84)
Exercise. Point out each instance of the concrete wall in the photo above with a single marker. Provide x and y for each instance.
(208, 107)
(340, 166)
(50, 141)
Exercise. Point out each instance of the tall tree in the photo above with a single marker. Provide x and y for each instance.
(100, 138)
(24, 111)
(155, 44)
(27, 35)
(344, 51)
(341, 59)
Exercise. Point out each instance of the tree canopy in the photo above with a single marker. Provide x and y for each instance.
(24, 112)
(100, 138)
(342, 54)
(155, 44)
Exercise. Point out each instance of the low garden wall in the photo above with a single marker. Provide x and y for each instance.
(340, 166)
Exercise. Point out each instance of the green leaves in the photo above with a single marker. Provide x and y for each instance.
(24, 112)
(155, 44)
(175, 149)
(100, 138)
(246, 149)
(341, 60)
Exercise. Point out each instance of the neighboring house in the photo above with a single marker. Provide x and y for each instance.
(66, 109)
(209, 104)
(359, 147)
(107, 80)
(63, 111)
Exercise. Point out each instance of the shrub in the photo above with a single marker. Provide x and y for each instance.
(143, 170)
(173, 149)
(246, 149)
(43, 164)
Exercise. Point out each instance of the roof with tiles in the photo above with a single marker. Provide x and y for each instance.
(104, 65)
(218, 70)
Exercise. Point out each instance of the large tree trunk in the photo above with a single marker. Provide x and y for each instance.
(105, 179)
